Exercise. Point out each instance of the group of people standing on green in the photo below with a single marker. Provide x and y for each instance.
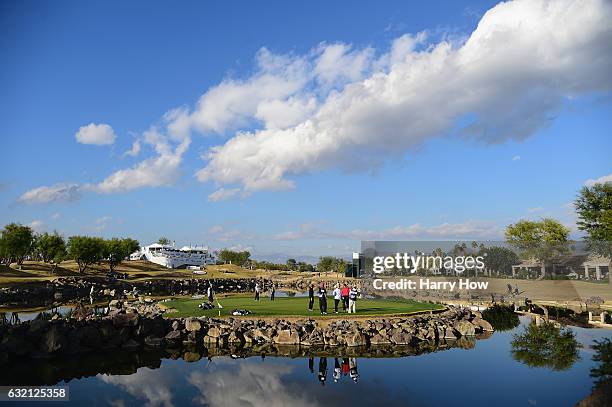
(347, 295)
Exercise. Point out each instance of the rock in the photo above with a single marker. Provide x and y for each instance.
(192, 325)
(235, 337)
(378, 340)
(121, 320)
(190, 357)
(287, 337)
(154, 342)
(401, 338)
(483, 324)
(213, 332)
(114, 304)
(131, 344)
(449, 333)
(173, 335)
(54, 340)
(356, 339)
(464, 328)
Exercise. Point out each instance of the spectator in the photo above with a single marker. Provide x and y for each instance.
(322, 299)
(310, 297)
(337, 297)
(337, 370)
(345, 296)
(210, 293)
(272, 293)
(257, 289)
(352, 300)
(322, 370)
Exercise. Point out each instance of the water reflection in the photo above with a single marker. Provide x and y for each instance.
(279, 376)
(546, 345)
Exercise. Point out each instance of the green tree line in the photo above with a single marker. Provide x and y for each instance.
(19, 242)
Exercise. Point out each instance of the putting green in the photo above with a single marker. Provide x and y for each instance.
(293, 306)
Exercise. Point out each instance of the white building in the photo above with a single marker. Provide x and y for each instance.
(168, 256)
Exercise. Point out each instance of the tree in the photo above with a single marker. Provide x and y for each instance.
(292, 264)
(546, 345)
(51, 247)
(603, 355)
(330, 263)
(234, 257)
(594, 209)
(502, 317)
(543, 240)
(118, 249)
(500, 259)
(86, 250)
(16, 242)
(163, 241)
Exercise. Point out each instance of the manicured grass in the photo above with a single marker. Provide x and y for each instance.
(292, 306)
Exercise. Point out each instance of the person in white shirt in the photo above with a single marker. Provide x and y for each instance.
(352, 300)
(337, 297)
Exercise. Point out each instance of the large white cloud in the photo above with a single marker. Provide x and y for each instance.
(54, 193)
(466, 230)
(601, 180)
(96, 134)
(523, 61)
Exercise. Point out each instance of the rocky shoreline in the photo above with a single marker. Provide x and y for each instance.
(125, 329)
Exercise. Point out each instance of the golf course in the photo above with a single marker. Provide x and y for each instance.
(292, 306)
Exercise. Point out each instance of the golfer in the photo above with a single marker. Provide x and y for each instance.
(337, 297)
(352, 300)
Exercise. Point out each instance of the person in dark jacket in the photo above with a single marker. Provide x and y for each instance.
(322, 299)
(311, 297)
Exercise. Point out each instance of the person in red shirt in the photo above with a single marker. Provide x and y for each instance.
(344, 292)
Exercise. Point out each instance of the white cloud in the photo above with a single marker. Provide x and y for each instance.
(234, 103)
(601, 180)
(161, 170)
(55, 216)
(37, 225)
(215, 229)
(152, 387)
(465, 230)
(96, 134)
(536, 209)
(248, 384)
(516, 158)
(222, 194)
(54, 193)
(523, 61)
(134, 150)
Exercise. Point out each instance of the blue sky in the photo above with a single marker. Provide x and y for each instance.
(328, 123)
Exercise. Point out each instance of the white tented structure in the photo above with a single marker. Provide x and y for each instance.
(168, 256)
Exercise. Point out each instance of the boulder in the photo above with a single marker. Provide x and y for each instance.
(401, 338)
(356, 339)
(378, 339)
(54, 340)
(213, 332)
(154, 342)
(130, 344)
(464, 328)
(287, 337)
(173, 335)
(192, 325)
(121, 320)
(482, 324)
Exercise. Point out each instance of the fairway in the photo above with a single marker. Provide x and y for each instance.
(293, 306)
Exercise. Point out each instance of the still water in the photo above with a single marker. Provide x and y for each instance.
(483, 376)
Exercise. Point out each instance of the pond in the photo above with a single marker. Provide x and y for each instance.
(486, 375)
